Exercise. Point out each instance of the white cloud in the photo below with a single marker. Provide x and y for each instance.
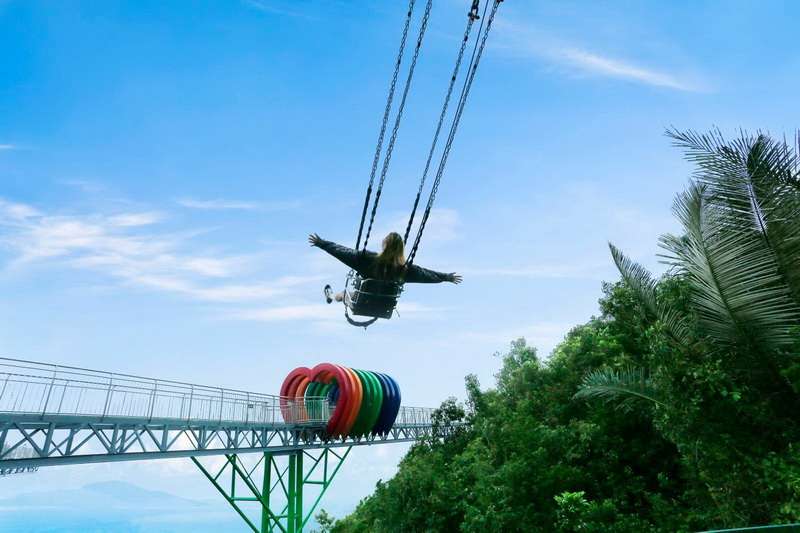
(545, 271)
(616, 68)
(135, 219)
(219, 205)
(216, 204)
(543, 335)
(442, 226)
(127, 247)
(317, 312)
(7, 147)
(320, 312)
(85, 186)
(274, 7)
(14, 211)
(526, 42)
(241, 293)
(415, 308)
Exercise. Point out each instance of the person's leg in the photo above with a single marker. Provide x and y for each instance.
(330, 296)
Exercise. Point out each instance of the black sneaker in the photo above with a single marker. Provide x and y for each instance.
(328, 293)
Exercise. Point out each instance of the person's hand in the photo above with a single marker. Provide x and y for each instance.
(314, 239)
(454, 278)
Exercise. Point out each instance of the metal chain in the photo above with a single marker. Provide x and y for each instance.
(453, 128)
(386, 112)
(472, 17)
(395, 129)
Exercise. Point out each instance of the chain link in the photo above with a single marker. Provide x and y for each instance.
(453, 128)
(386, 112)
(396, 128)
(473, 15)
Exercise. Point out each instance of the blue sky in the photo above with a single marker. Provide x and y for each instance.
(161, 165)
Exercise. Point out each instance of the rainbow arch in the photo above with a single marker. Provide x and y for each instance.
(366, 402)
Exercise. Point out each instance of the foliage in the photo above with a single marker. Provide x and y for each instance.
(698, 373)
(325, 521)
(529, 442)
(621, 386)
(726, 385)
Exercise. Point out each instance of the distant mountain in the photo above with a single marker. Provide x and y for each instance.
(113, 506)
(131, 493)
(105, 496)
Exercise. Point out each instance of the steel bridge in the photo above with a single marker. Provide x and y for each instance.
(58, 415)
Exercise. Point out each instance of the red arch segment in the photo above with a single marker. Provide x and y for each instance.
(289, 392)
(355, 393)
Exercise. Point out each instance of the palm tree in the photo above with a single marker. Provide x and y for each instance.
(739, 253)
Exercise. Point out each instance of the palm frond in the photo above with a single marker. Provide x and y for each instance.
(738, 291)
(623, 387)
(643, 285)
(637, 278)
(754, 182)
(675, 324)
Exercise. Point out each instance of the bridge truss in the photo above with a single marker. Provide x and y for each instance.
(58, 415)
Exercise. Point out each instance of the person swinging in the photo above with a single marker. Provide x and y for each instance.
(389, 265)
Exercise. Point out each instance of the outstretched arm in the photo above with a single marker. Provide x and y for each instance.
(417, 274)
(348, 256)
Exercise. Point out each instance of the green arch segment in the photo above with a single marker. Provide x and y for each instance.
(375, 410)
(316, 389)
(370, 403)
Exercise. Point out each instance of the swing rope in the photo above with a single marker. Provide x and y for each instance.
(390, 147)
(456, 120)
(472, 17)
(385, 122)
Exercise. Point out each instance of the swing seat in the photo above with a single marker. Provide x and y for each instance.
(372, 297)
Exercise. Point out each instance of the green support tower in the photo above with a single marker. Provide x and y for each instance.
(276, 503)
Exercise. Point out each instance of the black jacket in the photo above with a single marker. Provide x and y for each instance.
(363, 262)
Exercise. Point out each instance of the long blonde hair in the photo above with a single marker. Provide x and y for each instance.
(391, 262)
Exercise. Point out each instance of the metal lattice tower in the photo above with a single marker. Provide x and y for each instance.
(276, 486)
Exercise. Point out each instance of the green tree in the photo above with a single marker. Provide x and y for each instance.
(325, 521)
(723, 372)
(529, 442)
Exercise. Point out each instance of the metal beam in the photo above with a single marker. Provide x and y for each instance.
(280, 505)
(102, 442)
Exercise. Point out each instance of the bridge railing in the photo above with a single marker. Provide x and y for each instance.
(31, 388)
(41, 389)
(414, 416)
